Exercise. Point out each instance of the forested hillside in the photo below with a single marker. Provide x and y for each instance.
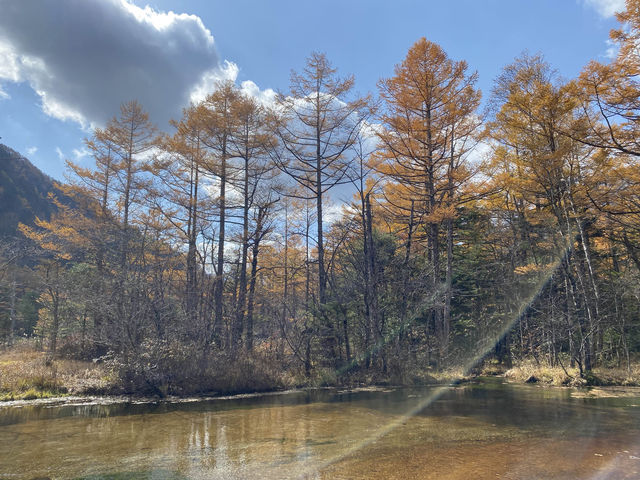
(218, 254)
(24, 192)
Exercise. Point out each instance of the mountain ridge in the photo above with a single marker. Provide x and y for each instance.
(24, 192)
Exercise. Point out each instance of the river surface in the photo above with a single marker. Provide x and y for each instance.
(483, 430)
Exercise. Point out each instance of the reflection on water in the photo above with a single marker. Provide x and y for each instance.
(483, 430)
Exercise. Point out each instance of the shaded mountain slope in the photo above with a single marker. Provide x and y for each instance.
(24, 192)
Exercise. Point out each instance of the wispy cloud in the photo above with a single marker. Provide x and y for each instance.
(80, 153)
(605, 8)
(612, 50)
(60, 154)
(31, 151)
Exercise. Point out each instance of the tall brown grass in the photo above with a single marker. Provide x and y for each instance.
(528, 370)
(26, 373)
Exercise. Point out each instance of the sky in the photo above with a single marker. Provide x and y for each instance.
(67, 65)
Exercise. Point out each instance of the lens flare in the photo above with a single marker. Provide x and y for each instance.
(438, 391)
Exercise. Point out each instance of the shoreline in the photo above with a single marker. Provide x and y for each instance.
(81, 400)
(531, 373)
(580, 391)
(27, 379)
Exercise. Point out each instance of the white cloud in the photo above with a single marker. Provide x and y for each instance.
(10, 64)
(9, 68)
(230, 71)
(479, 153)
(80, 153)
(60, 153)
(605, 8)
(31, 151)
(85, 58)
(333, 212)
(612, 50)
(208, 81)
(266, 97)
(60, 110)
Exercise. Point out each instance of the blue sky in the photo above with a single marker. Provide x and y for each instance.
(66, 65)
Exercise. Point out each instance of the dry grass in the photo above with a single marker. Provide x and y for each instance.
(410, 377)
(26, 374)
(618, 376)
(529, 371)
(492, 369)
(448, 375)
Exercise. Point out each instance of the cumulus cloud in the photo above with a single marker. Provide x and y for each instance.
(606, 8)
(266, 97)
(228, 71)
(85, 58)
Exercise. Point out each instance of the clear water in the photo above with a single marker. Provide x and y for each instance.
(474, 431)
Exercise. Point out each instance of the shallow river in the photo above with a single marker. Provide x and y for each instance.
(482, 430)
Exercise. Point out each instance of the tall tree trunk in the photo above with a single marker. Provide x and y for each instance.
(322, 279)
(242, 287)
(104, 235)
(368, 323)
(406, 270)
(322, 274)
(192, 234)
(372, 274)
(254, 274)
(285, 279)
(219, 285)
(433, 231)
(308, 331)
(446, 317)
(127, 203)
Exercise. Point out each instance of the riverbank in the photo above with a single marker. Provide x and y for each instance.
(528, 371)
(27, 374)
